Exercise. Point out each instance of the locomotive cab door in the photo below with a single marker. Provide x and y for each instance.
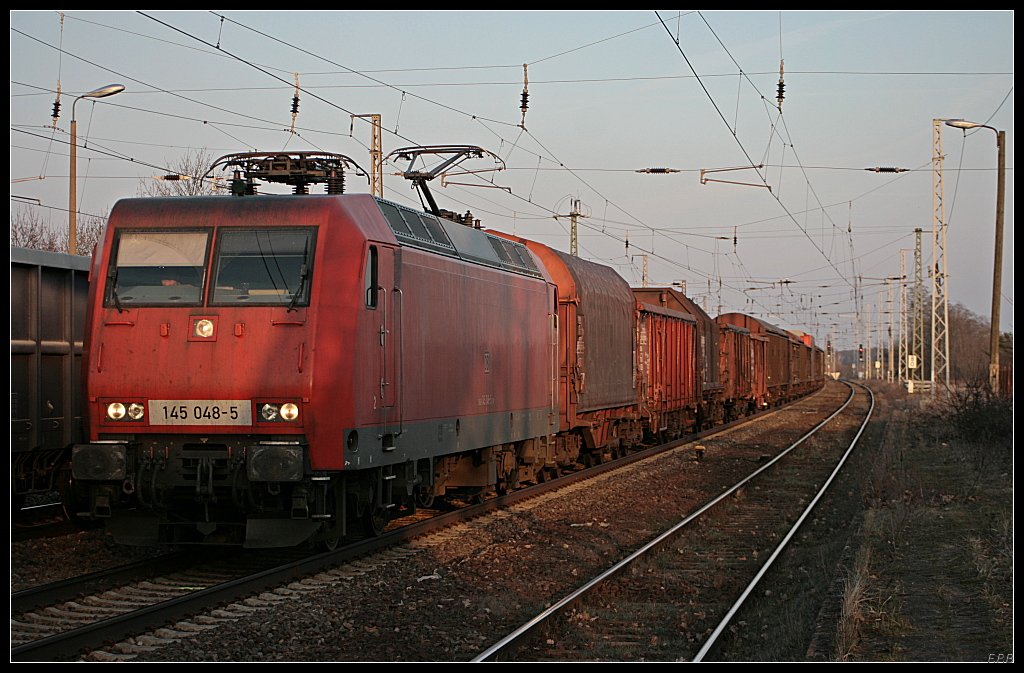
(384, 294)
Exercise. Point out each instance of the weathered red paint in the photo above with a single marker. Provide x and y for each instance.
(668, 370)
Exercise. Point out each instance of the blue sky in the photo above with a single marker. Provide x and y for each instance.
(609, 93)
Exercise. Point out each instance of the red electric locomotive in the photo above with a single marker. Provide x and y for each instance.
(266, 370)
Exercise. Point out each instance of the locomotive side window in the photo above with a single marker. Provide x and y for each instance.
(263, 266)
(157, 268)
(370, 278)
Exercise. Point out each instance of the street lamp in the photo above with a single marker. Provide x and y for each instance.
(108, 90)
(997, 273)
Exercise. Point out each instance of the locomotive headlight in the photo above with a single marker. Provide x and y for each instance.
(136, 411)
(115, 411)
(278, 412)
(100, 462)
(203, 328)
(275, 463)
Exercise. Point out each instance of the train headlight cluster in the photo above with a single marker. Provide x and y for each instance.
(288, 411)
(119, 411)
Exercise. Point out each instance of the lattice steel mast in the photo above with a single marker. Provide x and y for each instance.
(940, 300)
(916, 356)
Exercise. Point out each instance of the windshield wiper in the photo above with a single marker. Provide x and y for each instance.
(112, 282)
(303, 272)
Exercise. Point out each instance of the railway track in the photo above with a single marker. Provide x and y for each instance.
(128, 618)
(672, 598)
(54, 621)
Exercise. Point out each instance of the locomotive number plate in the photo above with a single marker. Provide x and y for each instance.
(200, 412)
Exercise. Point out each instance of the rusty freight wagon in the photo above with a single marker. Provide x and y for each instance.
(668, 373)
(743, 369)
(778, 355)
(710, 409)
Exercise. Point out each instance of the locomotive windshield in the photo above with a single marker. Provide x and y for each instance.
(158, 268)
(263, 266)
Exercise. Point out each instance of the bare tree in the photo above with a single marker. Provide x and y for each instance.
(189, 170)
(30, 230)
(968, 345)
(90, 232)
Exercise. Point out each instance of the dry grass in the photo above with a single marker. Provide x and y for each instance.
(943, 475)
(852, 614)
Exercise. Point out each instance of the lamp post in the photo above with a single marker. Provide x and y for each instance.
(997, 272)
(108, 90)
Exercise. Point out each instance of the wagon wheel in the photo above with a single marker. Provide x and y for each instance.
(375, 520)
(375, 517)
(423, 497)
(509, 483)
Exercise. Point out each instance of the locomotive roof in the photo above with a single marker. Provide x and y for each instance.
(410, 227)
(425, 231)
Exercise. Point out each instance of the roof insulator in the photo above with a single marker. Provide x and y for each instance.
(782, 85)
(657, 171)
(295, 103)
(525, 104)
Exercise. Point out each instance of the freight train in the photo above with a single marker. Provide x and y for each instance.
(270, 370)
